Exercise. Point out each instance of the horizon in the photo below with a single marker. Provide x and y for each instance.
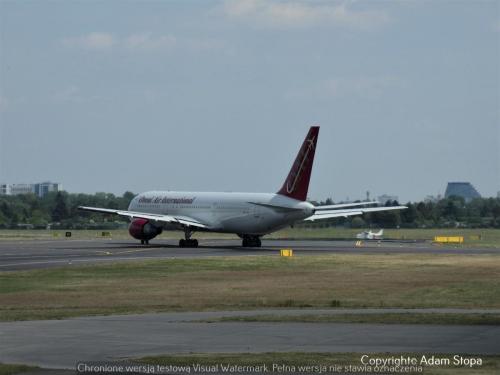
(315, 199)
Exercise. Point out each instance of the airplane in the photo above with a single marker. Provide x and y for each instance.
(369, 235)
(249, 215)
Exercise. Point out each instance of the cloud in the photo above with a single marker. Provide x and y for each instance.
(367, 87)
(146, 41)
(289, 14)
(94, 40)
(141, 41)
(203, 44)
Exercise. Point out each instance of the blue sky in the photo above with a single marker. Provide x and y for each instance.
(217, 96)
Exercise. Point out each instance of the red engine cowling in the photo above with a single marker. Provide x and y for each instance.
(142, 229)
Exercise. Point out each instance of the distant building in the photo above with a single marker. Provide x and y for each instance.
(40, 189)
(384, 198)
(4, 189)
(16, 189)
(43, 188)
(461, 189)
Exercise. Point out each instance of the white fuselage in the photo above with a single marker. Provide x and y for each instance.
(241, 213)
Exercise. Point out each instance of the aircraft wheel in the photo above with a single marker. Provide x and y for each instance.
(251, 242)
(188, 243)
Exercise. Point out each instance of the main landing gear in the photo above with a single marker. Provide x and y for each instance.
(144, 242)
(251, 241)
(188, 242)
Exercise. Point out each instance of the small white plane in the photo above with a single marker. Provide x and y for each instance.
(249, 215)
(369, 235)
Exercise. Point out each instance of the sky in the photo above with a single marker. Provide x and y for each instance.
(218, 96)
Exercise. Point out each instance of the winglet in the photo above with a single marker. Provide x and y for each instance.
(297, 182)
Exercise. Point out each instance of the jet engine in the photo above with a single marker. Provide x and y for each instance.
(143, 230)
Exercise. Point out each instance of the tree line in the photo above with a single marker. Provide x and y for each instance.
(59, 210)
(451, 212)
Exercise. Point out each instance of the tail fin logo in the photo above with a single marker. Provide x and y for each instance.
(310, 146)
(297, 181)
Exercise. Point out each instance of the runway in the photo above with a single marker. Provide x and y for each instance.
(35, 254)
(63, 343)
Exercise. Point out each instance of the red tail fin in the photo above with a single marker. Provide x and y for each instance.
(297, 182)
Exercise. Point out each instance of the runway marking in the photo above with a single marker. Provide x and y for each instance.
(28, 263)
(49, 256)
(104, 252)
(138, 250)
(61, 241)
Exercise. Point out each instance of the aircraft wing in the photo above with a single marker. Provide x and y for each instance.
(182, 220)
(328, 214)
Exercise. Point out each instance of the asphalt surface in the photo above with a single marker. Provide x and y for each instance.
(63, 343)
(33, 254)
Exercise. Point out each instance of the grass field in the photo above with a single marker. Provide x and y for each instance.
(11, 369)
(472, 237)
(222, 283)
(490, 364)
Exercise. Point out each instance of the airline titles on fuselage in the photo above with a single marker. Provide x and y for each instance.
(165, 199)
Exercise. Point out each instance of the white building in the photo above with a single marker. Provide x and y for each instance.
(16, 189)
(40, 189)
(4, 189)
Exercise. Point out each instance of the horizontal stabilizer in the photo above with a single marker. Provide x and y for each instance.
(328, 214)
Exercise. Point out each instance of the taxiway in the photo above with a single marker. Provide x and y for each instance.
(34, 254)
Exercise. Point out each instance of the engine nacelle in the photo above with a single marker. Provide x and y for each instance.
(142, 229)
